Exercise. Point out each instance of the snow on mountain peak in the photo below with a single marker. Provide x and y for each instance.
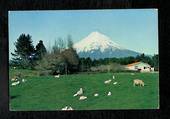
(95, 41)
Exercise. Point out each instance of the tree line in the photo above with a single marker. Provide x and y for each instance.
(63, 58)
(86, 63)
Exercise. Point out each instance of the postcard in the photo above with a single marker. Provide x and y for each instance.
(68, 60)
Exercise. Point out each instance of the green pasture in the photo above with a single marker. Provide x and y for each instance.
(49, 93)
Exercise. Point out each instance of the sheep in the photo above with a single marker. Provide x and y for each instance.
(113, 77)
(138, 82)
(82, 97)
(67, 108)
(23, 80)
(115, 83)
(57, 76)
(80, 92)
(15, 83)
(14, 79)
(14, 67)
(109, 93)
(107, 81)
(96, 94)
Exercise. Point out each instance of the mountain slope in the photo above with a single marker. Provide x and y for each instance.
(97, 45)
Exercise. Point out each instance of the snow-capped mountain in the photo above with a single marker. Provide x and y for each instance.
(97, 45)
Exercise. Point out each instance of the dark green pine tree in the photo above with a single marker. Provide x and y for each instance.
(40, 49)
(24, 48)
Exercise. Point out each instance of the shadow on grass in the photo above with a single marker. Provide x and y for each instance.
(15, 96)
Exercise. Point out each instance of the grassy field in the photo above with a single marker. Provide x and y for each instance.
(49, 93)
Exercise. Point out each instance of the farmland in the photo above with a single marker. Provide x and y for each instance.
(50, 93)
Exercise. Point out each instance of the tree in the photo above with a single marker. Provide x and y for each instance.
(40, 49)
(58, 46)
(55, 48)
(60, 59)
(61, 44)
(82, 64)
(155, 60)
(52, 59)
(65, 62)
(24, 48)
(88, 62)
(144, 58)
(69, 42)
(71, 60)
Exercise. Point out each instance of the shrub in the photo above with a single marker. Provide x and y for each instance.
(115, 67)
(44, 73)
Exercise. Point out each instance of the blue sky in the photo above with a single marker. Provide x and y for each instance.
(135, 29)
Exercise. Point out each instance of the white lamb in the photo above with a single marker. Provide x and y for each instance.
(57, 76)
(107, 81)
(96, 94)
(109, 93)
(14, 79)
(67, 108)
(15, 83)
(113, 77)
(82, 97)
(80, 92)
(23, 80)
(115, 83)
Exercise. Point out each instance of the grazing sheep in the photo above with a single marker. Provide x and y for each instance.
(80, 92)
(57, 76)
(113, 77)
(14, 79)
(115, 83)
(107, 81)
(109, 93)
(67, 108)
(96, 94)
(82, 97)
(15, 83)
(23, 80)
(138, 82)
(14, 67)
(17, 77)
